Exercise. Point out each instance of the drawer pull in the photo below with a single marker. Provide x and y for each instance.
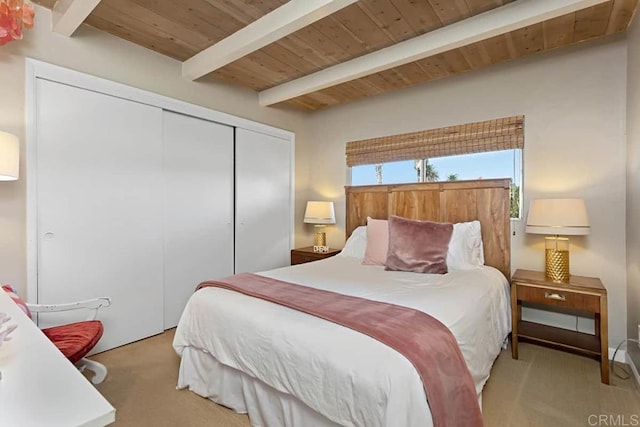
(557, 297)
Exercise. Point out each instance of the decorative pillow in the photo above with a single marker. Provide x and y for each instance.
(356, 244)
(418, 246)
(377, 242)
(19, 301)
(465, 249)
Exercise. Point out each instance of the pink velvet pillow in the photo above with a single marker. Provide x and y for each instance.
(377, 242)
(418, 246)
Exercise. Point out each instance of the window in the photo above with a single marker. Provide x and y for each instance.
(492, 164)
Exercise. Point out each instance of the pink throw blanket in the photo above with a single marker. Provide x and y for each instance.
(422, 339)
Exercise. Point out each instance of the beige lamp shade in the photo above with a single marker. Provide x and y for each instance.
(9, 157)
(320, 213)
(565, 217)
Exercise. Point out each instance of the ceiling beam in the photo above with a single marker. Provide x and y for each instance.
(279, 23)
(501, 20)
(68, 15)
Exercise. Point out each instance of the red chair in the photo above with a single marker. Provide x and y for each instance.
(74, 340)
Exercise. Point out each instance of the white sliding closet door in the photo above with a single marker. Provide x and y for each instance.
(99, 215)
(198, 207)
(263, 201)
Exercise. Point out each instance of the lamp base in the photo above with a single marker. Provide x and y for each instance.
(320, 240)
(557, 265)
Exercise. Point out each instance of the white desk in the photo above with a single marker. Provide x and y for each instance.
(39, 387)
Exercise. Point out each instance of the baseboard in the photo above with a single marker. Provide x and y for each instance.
(621, 355)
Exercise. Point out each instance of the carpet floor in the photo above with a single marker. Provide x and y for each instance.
(544, 387)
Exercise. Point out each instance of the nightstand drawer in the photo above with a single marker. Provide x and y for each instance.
(301, 259)
(303, 255)
(560, 298)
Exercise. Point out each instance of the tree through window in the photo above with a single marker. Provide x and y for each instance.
(492, 164)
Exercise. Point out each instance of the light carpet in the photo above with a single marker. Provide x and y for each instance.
(544, 387)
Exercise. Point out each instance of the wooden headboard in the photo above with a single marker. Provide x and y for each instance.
(486, 200)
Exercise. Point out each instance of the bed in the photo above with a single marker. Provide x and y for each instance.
(288, 368)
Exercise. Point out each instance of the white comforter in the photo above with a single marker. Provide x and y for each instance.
(348, 377)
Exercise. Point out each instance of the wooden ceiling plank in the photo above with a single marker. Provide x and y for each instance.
(414, 72)
(510, 46)
(273, 69)
(387, 17)
(476, 55)
(138, 37)
(358, 23)
(328, 98)
(341, 36)
(418, 14)
(282, 54)
(195, 15)
(621, 15)
(592, 21)
(528, 40)
(287, 19)
(394, 79)
(558, 31)
(320, 99)
(367, 87)
(436, 67)
(167, 41)
(68, 15)
(479, 6)
(155, 20)
(488, 24)
(299, 104)
(236, 74)
(306, 52)
(238, 11)
(353, 90)
(457, 61)
(450, 11)
(376, 80)
(323, 45)
(498, 49)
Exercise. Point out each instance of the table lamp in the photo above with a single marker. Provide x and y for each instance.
(558, 217)
(9, 157)
(320, 214)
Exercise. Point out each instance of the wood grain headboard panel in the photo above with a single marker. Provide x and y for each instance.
(486, 200)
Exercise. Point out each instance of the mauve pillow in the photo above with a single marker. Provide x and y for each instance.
(377, 242)
(418, 246)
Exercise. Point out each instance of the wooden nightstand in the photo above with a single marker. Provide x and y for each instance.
(584, 296)
(302, 255)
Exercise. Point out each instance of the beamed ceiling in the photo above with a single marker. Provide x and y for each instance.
(182, 29)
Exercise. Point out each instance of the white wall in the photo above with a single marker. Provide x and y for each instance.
(574, 105)
(633, 186)
(103, 55)
(573, 99)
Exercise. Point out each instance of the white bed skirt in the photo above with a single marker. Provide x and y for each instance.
(201, 373)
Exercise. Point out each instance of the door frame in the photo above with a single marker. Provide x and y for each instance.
(35, 69)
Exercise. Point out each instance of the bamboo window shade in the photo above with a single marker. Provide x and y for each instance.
(491, 135)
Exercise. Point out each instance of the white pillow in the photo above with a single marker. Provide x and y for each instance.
(356, 244)
(465, 247)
